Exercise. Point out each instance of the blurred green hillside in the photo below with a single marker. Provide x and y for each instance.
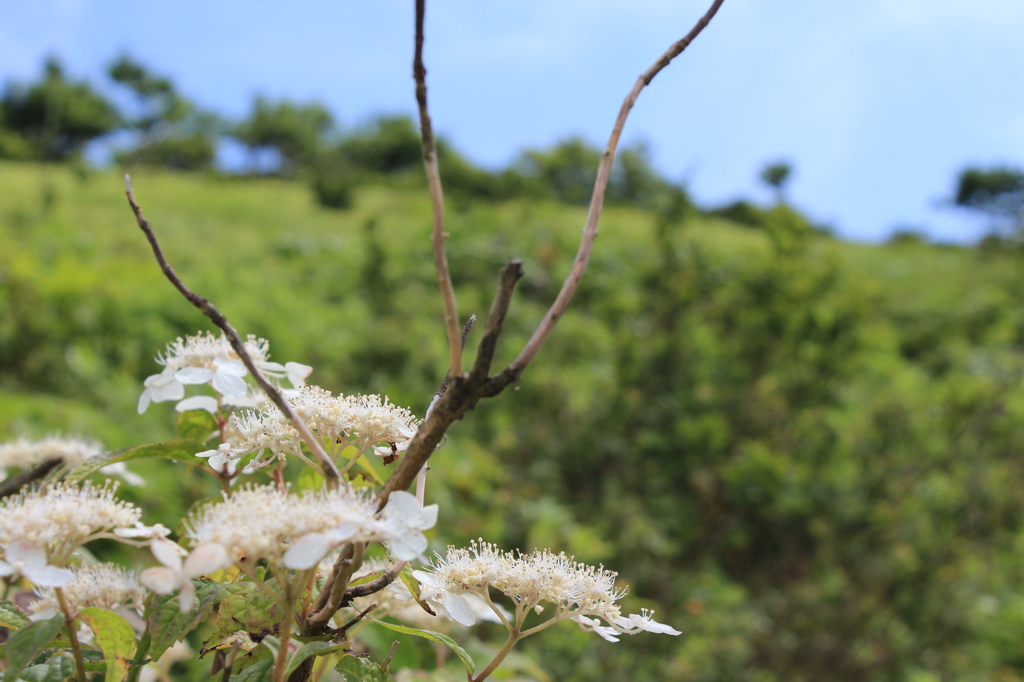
(804, 453)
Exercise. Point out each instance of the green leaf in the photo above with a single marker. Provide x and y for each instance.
(309, 479)
(197, 425)
(11, 617)
(414, 587)
(57, 669)
(168, 624)
(251, 609)
(115, 638)
(258, 672)
(182, 450)
(25, 644)
(368, 578)
(434, 637)
(359, 669)
(311, 649)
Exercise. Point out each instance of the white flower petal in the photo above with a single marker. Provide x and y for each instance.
(429, 517)
(187, 596)
(26, 554)
(205, 559)
(144, 400)
(160, 580)
(297, 373)
(458, 609)
(230, 385)
(172, 391)
(194, 375)
(230, 366)
(45, 614)
(401, 506)
(167, 553)
(307, 551)
(5, 568)
(198, 402)
(408, 546)
(49, 576)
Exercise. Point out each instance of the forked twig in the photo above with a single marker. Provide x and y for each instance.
(330, 472)
(604, 170)
(466, 391)
(437, 236)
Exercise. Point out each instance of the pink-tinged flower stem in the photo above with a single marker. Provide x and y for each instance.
(513, 637)
(285, 634)
(69, 625)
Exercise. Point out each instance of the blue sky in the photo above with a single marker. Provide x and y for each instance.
(877, 103)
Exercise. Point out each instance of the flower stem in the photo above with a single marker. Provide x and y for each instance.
(286, 632)
(493, 665)
(69, 624)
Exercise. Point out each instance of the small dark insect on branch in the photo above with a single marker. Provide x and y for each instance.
(329, 471)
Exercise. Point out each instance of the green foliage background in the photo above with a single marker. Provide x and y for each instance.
(803, 453)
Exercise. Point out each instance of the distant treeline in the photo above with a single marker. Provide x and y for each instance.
(54, 118)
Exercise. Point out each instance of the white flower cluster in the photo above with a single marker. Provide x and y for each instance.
(359, 420)
(578, 591)
(209, 359)
(104, 586)
(39, 529)
(396, 601)
(289, 531)
(24, 454)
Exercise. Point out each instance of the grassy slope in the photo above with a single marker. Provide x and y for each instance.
(281, 267)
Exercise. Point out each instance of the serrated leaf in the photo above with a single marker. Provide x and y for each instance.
(11, 617)
(57, 669)
(197, 425)
(182, 450)
(434, 637)
(168, 624)
(251, 609)
(25, 644)
(115, 638)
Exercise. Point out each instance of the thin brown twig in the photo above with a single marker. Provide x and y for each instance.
(329, 471)
(437, 236)
(465, 392)
(39, 471)
(604, 170)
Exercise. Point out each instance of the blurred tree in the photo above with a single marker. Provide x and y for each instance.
(566, 172)
(174, 132)
(387, 144)
(297, 132)
(54, 118)
(997, 192)
(776, 175)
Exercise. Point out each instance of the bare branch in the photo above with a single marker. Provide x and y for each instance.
(462, 346)
(437, 237)
(329, 471)
(604, 169)
(375, 585)
(39, 471)
(462, 395)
